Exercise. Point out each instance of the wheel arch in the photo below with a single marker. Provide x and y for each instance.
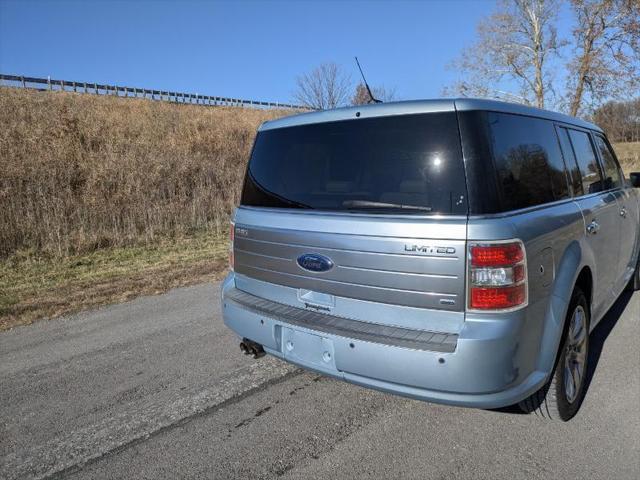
(584, 280)
(575, 268)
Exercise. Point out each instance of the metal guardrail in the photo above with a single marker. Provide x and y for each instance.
(135, 92)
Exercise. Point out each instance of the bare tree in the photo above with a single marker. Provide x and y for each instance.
(621, 120)
(513, 48)
(361, 95)
(606, 60)
(326, 86)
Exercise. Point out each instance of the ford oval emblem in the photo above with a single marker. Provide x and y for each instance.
(315, 262)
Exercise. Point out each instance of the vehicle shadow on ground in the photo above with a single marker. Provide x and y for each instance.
(600, 334)
(597, 339)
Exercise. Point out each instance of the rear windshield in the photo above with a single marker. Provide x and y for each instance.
(410, 164)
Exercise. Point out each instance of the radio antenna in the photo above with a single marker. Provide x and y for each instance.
(373, 99)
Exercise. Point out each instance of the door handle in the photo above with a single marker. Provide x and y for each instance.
(623, 212)
(593, 227)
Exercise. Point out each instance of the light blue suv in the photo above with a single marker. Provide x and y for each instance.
(454, 251)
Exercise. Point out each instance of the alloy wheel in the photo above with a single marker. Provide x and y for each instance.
(576, 354)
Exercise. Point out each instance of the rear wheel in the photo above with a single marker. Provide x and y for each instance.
(561, 397)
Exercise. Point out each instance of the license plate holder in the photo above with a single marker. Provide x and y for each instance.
(308, 349)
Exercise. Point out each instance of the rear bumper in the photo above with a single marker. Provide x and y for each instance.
(486, 368)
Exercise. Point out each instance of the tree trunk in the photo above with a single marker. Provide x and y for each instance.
(576, 100)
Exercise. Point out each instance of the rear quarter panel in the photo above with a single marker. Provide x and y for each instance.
(555, 254)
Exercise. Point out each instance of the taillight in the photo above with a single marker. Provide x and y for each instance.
(497, 276)
(496, 255)
(232, 231)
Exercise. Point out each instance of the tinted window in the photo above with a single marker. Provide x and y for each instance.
(377, 165)
(612, 178)
(512, 161)
(570, 161)
(587, 163)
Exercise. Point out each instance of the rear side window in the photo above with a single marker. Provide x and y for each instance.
(612, 177)
(516, 156)
(570, 161)
(586, 159)
(410, 164)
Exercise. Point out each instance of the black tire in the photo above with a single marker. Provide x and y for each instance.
(552, 401)
(634, 283)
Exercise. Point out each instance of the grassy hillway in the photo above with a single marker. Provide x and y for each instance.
(105, 198)
(81, 172)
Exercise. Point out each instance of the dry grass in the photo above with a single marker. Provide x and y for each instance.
(33, 287)
(105, 198)
(629, 156)
(81, 172)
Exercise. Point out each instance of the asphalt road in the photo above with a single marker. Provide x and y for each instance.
(157, 388)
